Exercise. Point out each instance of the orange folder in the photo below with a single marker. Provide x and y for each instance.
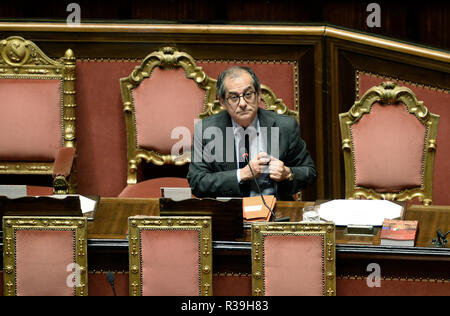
(254, 209)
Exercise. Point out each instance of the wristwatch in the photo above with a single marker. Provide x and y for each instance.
(291, 175)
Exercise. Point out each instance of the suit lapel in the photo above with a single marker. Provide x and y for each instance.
(267, 121)
(229, 163)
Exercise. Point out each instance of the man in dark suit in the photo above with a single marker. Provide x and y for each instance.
(278, 156)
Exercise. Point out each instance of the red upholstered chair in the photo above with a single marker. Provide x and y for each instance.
(389, 144)
(170, 256)
(293, 259)
(45, 256)
(37, 124)
(162, 97)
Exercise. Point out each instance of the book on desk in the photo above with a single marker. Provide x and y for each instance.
(254, 210)
(399, 233)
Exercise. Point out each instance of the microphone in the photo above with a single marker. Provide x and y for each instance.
(110, 278)
(275, 219)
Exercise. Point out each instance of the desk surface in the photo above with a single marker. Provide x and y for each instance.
(108, 249)
(111, 220)
(108, 246)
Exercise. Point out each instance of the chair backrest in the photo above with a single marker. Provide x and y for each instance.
(45, 256)
(170, 256)
(293, 259)
(389, 145)
(162, 97)
(38, 107)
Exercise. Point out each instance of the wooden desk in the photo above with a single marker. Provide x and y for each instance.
(418, 270)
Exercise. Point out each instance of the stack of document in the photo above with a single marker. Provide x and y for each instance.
(359, 212)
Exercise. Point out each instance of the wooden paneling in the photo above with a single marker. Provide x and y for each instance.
(344, 59)
(426, 22)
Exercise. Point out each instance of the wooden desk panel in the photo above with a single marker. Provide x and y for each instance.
(426, 267)
(111, 218)
(112, 214)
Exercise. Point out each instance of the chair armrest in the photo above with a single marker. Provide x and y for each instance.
(64, 161)
(62, 169)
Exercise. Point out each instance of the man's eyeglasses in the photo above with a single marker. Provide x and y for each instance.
(248, 97)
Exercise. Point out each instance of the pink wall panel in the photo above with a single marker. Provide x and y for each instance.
(101, 134)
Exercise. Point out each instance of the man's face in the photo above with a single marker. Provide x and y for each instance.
(241, 100)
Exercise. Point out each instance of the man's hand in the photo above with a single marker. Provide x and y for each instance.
(278, 171)
(259, 165)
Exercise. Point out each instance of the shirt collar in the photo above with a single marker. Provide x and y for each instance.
(238, 128)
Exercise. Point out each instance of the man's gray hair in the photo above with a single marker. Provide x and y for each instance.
(234, 72)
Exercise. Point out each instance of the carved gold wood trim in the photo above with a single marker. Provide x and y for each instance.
(26, 167)
(320, 30)
(389, 93)
(167, 57)
(22, 59)
(326, 230)
(201, 224)
(12, 224)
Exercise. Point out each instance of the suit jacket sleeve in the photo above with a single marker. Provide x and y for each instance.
(298, 159)
(205, 178)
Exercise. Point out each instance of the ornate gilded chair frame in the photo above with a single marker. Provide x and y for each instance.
(167, 57)
(22, 59)
(200, 224)
(389, 93)
(13, 223)
(325, 230)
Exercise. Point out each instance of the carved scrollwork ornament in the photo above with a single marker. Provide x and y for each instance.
(167, 58)
(389, 93)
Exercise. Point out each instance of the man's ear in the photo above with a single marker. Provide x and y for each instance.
(259, 96)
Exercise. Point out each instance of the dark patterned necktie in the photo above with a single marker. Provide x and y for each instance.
(245, 187)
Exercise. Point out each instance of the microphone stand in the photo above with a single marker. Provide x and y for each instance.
(275, 219)
(110, 278)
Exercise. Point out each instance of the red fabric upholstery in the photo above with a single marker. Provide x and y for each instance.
(42, 258)
(232, 285)
(64, 161)
(389, 145)
(437, 102)
(101, 133)
(395, 287)
(30, 123)
(293, 265)
(98, 286)
(39, 191)
(163, 102)
(152, 188)
(170, 262)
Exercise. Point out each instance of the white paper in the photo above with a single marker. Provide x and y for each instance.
(176, 194)
(13, 191)
(253, 208)
(359, 212)
(87, 205)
